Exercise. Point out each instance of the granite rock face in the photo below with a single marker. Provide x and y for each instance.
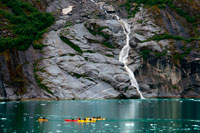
(17, 76)
(91, 72)
(163, 72)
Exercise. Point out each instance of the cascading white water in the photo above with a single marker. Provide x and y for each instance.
(123, 56)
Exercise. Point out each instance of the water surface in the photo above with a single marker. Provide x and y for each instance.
(125, 116)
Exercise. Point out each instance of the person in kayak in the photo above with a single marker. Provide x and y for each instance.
(42, 118)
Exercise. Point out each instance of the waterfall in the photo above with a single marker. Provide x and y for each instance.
(123, 56)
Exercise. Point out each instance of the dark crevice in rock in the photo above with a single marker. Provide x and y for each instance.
(2, 87)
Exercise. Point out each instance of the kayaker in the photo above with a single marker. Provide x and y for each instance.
(42, 118)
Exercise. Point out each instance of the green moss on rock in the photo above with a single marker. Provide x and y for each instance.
(71, 44)
(159, 37)
(132, 7)
(97, 30)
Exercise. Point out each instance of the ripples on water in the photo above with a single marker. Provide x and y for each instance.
(126, 116)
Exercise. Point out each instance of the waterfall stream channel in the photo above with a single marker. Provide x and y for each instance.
(124, 53)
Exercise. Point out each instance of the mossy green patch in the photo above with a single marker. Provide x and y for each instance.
(71, 44)
(174, 86)
(186, 52)
(68, 24)
(163, 36)
(97, 30)
(38, 46)
(145, 53)
(174, 56)
(160, 54)
(108, 44)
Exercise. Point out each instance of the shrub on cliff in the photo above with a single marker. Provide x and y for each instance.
(26, 23)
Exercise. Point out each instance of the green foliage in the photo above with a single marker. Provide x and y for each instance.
(162, 6)
(132, 10)
(140, 21)
(174, 86)
(192, 39)
(160, 54)
(98, 31)
(78, 75)
(145, 53)
(108, 44)
(38, 46)
(186, 52)
(159, 37)
(39, 80)
(26, 23)
(175, 55)
(148, 3)
(71, 44)
(68, 24)
(190, 19)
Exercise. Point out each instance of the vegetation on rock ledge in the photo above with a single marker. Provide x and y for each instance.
(97, 30)
(132, 7)
(71, 44)
(159, 37)
(174, 56)
(25, 22)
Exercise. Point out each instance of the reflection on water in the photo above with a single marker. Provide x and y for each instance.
(125, 116)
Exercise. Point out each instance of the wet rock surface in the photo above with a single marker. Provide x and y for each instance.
(18, 76)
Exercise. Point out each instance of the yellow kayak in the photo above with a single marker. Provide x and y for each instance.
(86, 120)
(41, 120)
(96, 119)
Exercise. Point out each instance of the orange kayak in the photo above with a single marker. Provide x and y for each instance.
(42, 120)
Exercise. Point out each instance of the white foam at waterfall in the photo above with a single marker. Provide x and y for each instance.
(67, 10)
(93, 1)
(124, 53)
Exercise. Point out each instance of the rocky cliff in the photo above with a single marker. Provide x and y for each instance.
(80, 57)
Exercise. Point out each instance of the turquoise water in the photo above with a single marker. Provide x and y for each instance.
(124, 116)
